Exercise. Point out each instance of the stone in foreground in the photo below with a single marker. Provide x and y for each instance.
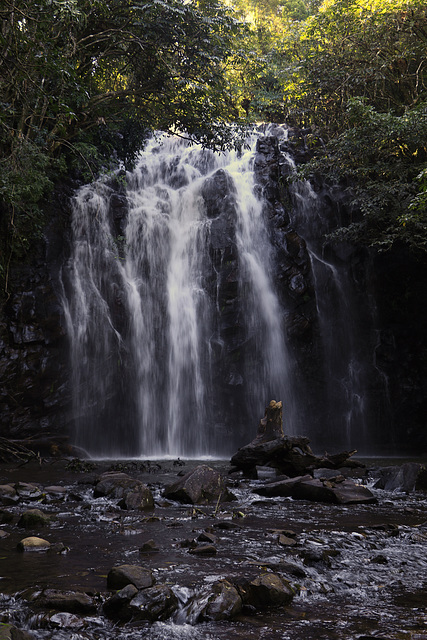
(220, 601)
(33, 518)
(33, 543)
(121, 576)
(70, 601)
(156, 603)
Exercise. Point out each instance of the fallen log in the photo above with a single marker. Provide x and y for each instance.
(289, 455)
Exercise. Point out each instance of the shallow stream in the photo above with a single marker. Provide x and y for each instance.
(359, 571)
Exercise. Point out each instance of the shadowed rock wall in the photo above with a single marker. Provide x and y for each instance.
(35, 394)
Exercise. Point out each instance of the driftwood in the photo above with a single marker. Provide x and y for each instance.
(14, 451)
(289, 455)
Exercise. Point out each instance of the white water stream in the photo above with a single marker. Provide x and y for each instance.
(145, 309)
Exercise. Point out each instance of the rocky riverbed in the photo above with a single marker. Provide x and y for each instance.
(252, 567)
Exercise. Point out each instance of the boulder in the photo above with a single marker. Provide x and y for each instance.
(265, 590)
(204, 550)
(115, 607)
(121, 576)
(155, 603)
(348, 492)
(270, 590)
(140, 499)
(10, 632)
(219, 601)
(338, 491)
(33, 544)
(8, 494)
(33, 518)
(206, 536)
(286, 541)
(132, 493)
(56, 491)
(399, 478)
(5, 516)
(149, 546)
(65, 620)
(28, 491)
(69, 601)
(199, 486)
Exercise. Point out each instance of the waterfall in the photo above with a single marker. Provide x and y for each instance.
(354, 391)
(176, 331)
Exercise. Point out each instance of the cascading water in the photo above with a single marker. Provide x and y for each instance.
(354, 392)
(175, 328)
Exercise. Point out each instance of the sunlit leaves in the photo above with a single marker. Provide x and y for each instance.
(379, 157)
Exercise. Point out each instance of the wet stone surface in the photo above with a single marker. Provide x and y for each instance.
(334, 571)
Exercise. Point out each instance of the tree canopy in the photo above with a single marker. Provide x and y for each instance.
(354, 72)
(82, 82)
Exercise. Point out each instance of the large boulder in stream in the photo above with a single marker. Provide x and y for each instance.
(133, 493)
(406, 477)
(199, 486)
(70, 601)
(156, 603)
(218, 601)
(34, 518)
(10, 632)
(125, 574)
(289, 455)
(336, 490)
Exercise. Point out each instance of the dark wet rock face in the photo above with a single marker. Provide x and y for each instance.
(221, 601)
(156, 603)
(34, 391)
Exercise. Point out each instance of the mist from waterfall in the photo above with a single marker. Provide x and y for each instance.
(145, 309)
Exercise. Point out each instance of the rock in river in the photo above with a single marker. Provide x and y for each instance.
(33, 544)
(155, 603)
(121, 576)
(338, 491)
(33, 518)
(133, 493)
(219, 601)
(199, 486)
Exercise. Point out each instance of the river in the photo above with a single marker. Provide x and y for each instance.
(359, 571)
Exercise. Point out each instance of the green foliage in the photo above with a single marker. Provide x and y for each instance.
(380, 156)
(82, 82)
